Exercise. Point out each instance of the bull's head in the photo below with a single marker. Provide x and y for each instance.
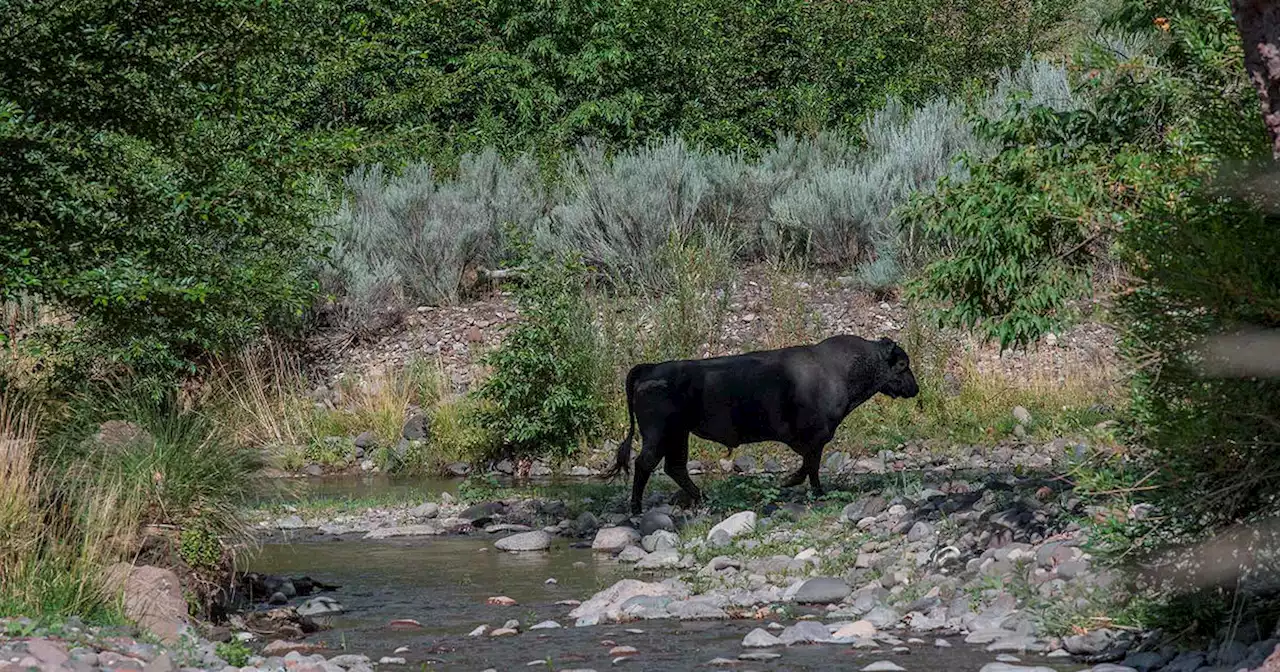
(899, 382)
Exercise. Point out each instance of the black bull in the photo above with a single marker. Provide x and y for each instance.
(797, 396)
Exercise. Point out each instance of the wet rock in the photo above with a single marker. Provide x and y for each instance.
(524, 541)
(545, 625)
(481, 514)
(404, 624)
(759, 656)
(805, 632)
(660, 540)
(313, 469)
(605, 605)
(504, 632)
(822, 590)
(423, 530)
(1015, 644)
(736, 525)
(655, 521)
(760, 638)
(320, 606)
(1145, 661)
(480, 631)
(696, 610)
(1006, 667)
(290, 523)
(500, 601)
(458, 468)
(884, 666)
(614, 539)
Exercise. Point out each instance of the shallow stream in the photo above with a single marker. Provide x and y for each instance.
(443, 583)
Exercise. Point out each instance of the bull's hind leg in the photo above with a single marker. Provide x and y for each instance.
(648, 460)
(677, 466)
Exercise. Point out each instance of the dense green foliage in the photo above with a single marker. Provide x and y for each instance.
(1151, 167)
(543, 391)
(157, 200)
(142, 193)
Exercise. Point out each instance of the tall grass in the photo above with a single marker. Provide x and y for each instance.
(55, 540)
(263, 400)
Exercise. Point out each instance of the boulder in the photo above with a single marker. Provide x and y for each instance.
(655, 520)
(614, 539)
(743, 522)
(152, 598)
(805, 632)
(525, 541)
(660, 540)
(822, 590)
(320, 606)
(426, 510)
(667, 557)
(760, 638)
(605, 605)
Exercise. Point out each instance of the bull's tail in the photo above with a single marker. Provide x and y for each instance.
(622, 461)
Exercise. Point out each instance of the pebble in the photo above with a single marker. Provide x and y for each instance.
(623, 651)
(884, 666)
(389, 660)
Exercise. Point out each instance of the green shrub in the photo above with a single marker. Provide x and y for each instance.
(236, 654)
(543, 390)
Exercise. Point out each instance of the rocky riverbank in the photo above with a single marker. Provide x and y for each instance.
(1000, 562)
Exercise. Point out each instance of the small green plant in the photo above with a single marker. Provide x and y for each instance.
(200, 547)
(742, 492)
(543, 393)
(234, 652)
(478, 488)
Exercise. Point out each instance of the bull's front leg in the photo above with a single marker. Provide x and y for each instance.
(811, 461)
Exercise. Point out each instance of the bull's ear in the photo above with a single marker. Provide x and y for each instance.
(897, 357)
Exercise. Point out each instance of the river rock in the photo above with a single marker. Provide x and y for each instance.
(759, 656)
(1090, 643)
(822, 590)
(656, 520)
(545, 625)
(525, 541)
(632, 554)
(605, 605)
(1006, 667)
(646, 607)
(882, 617)
(736, 525)
(667, 557)
(291, 523)
(884, 666)
(614, 539)
(320, 606)
(423, 530)
(586, 523)
(855, 630)
(416, 428)
(152, 598)
(660, 540)
(696, 610)
(480, 514)
(426, 510)
(760, 638)
(805, 632)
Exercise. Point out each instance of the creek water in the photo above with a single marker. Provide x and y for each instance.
(443, 583)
